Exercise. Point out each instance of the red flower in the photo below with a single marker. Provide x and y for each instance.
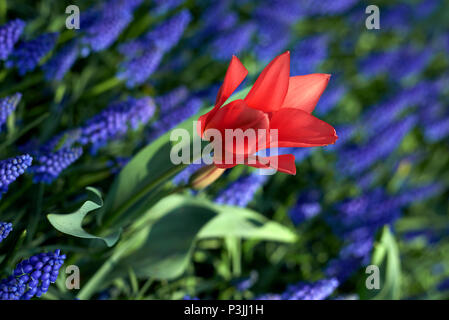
(276, 101)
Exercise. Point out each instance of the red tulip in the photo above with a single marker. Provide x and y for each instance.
(276, 101)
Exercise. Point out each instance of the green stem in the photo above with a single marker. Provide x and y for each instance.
(30, 126)
(27, 82)
(234, 248)
(95, 281)
(37, 213)
(104, 86)
(139, 195)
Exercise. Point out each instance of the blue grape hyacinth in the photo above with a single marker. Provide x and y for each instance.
(318, 290)
(115, 121)
(9, 35)
(28, 54)
(241, 192)
(308, 55)
(144, 54)
(101, 26)
(232, 42)
(7, 106)
(61, 62)
(32, 277)
(172, 98)
(307, 207)
(11, 169)
(50, 165)
(5, 229)
(170, 118)
(137, 70)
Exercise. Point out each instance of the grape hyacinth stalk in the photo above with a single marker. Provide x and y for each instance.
(7, 106)
(32, 277)
(11, 169)
(61, 62)
(50, 165)
(318, 290)
(115, 121)
(101, 26)
(5, 229)
(9, 35)
(241, 192)
(28, 54)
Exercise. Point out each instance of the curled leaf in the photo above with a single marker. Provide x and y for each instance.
(72, 223)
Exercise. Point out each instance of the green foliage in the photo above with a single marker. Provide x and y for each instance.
(72, 223)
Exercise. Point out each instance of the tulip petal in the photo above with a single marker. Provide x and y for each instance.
(237, 115)
(282, 163)
(297, 128)
(234, 76)
(305, 91)
(270, 88)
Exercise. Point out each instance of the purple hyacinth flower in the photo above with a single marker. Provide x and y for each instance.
(308, 54)
(385, 113)
(327, 7)
(356, 160)
(32, 277)
(164, 6)
(167, 34)
(115, 121)
(284, 11)
(5, 229)
(318, 290)
(9, 35)
(170, 119)
(425, 8)
(306, 207)
(137, 70)
(28, 54)
(61, 62)
(272, 38)
(101, 26)
(172, 98)
(241, 192)
(11, 169)
(418, 194)
(437, 130)
(397, 18)
(232, 42)
(7, 106)
(401, 62)
(144, 54)
(50, 165)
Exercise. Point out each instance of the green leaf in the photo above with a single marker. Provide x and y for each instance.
(166, 252)
(247, 224)
(72, 223)
(386, 257)
(165, 246)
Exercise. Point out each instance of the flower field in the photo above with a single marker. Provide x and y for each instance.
(93, 206)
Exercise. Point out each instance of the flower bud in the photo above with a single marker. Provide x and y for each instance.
(205, 176)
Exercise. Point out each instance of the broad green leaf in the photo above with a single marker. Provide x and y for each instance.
(386, 257)
(247, 224)
(72, 223)
(166, 252)
(165, 246)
